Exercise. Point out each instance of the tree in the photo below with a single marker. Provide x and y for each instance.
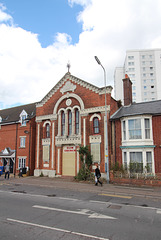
(86, 159)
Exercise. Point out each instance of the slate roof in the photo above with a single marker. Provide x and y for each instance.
(7, 152)
(143, 108)
(13, 114)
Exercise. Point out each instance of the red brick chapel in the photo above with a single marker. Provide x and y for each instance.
(72, 113)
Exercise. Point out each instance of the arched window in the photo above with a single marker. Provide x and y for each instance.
(69, 122)
(47, 130)
(76, 121)
(95, 125)
(62, 123)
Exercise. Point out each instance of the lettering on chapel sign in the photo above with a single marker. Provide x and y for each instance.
(69, 149)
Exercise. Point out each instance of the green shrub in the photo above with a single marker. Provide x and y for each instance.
(41, 175)
(84, 174)
(117, 168)
(86, 159)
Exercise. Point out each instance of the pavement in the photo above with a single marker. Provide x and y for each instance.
(70, 183)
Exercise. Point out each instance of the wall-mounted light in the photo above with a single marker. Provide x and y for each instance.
(26, 132)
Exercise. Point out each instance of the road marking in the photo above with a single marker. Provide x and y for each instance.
(101, 202)
(70, 199)
(159, 211)
(56, 229)
(93, 201)
(81, 212)
(116, 196)
(135, 188)
(26, 194)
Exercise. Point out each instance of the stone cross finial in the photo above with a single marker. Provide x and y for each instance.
(68, 66)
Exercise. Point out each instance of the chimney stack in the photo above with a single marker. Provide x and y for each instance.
(127, 88)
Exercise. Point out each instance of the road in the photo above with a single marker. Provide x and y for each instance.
(40, 208)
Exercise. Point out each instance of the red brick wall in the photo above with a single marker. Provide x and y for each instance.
(8, 136)
(156, 125)
(8, 139)
(136, 182)
(116, 153)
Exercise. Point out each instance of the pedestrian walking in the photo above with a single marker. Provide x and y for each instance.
(97, 176)
(7, 170)
(20, 173)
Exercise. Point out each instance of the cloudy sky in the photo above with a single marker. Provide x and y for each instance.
(39, 37)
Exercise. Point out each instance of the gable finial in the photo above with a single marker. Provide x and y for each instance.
(68, 66)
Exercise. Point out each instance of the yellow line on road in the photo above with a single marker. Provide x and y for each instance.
(116, 196)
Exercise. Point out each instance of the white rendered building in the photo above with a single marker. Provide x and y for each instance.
(144, 69)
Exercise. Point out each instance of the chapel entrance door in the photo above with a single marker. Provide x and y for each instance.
(68, 164)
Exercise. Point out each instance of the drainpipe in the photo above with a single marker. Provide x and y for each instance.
(16, 149)
(115, 138)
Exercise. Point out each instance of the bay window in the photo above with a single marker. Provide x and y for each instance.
(147, 128)
(136, 162)
(134, 128)
(139, 128)
(137, 144)
(149, 162)
(125, 160)
(124, 129)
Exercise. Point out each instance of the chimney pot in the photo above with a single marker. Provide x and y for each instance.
(126, 76)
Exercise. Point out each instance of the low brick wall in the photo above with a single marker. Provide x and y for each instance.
(134, 181)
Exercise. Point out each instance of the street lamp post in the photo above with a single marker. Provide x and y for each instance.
(106, 127)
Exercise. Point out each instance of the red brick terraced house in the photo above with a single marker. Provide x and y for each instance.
(17, 138)
(136, 134)
(72, 113)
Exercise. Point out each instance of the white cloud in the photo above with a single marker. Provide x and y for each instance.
(80, 2)
(62, 40)
(156, 43)
(4, 17)
(29, 71)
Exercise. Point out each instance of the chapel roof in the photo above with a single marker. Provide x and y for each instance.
(67, 77)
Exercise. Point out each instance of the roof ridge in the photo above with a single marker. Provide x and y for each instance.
(18, 106)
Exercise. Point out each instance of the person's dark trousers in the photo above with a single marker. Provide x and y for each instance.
(99, 181)
(7, 173)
